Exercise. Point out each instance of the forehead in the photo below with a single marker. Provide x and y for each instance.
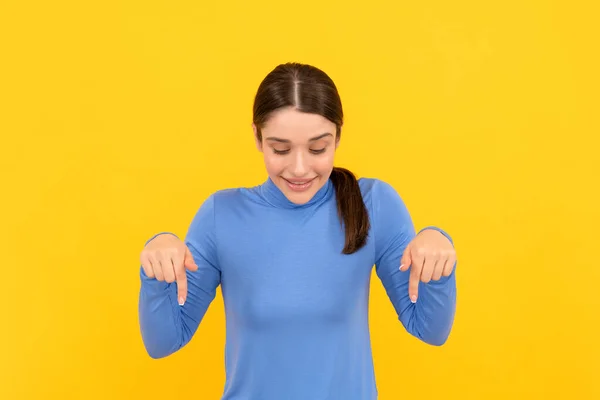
(294, 125)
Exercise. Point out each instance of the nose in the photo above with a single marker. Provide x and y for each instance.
(300, 165)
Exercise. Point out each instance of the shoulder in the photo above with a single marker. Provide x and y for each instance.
(388, 212)
(216, 200)
(233, 200)
(210, 210)
(375, 190)
(229, 196)
(383, 201)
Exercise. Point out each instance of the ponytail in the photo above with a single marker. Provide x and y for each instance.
(351, 209)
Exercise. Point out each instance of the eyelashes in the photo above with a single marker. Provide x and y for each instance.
(283, 152)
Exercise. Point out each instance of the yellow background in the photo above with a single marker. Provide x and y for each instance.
(118, 119)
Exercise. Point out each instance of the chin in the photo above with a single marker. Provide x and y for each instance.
(299, 199)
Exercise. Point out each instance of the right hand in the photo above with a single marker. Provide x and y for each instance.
(166, 258)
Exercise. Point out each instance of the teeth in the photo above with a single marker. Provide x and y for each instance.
(299, 183)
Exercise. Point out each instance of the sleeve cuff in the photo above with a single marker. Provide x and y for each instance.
(161, 233)
(435, 228)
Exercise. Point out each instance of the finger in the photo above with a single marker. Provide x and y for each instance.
(177, 257)
(189, 260)
(405, 260)
(158, 273)
(439, 267)
(415, 277)
(181, 277)
(146, 265)
(166, 262)
(449, 267)
(429, 266)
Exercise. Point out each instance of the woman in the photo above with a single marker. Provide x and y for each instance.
(294, 256)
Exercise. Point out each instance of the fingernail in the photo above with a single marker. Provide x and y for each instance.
(401, 265)
(413, 298)
(181, 301)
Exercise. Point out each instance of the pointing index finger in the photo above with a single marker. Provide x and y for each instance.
(180, 277)
(415, 278)
(181, 286)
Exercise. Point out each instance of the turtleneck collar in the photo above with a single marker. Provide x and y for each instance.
(274, 196)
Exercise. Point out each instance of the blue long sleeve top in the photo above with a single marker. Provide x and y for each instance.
(296, 307)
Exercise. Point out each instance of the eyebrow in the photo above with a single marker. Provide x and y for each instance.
(276, 139)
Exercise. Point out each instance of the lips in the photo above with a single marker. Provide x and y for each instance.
(299, 181)
(299, 185)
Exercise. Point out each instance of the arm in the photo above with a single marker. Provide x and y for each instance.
(430, 319)
(165, 325)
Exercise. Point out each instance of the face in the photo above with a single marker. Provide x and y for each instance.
(298, 149)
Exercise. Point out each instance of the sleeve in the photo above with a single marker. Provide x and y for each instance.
(430, 319)
(165, 325)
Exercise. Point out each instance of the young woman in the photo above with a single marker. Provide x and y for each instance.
(294, 257)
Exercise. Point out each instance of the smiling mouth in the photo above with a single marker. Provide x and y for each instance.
(299, 181)
(299, 185)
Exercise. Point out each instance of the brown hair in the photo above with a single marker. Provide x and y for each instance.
(310, 90)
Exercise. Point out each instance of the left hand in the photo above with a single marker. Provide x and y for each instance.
(430, 255)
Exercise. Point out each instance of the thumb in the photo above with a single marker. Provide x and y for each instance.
(188, 262)
(406, 260)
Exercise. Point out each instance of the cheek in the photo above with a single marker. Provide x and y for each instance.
(324, 164)
(273, 163)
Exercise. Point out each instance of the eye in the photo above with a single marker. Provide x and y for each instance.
(281, 151)
(319, 151)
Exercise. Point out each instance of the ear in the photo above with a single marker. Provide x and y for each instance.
(257, 142)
